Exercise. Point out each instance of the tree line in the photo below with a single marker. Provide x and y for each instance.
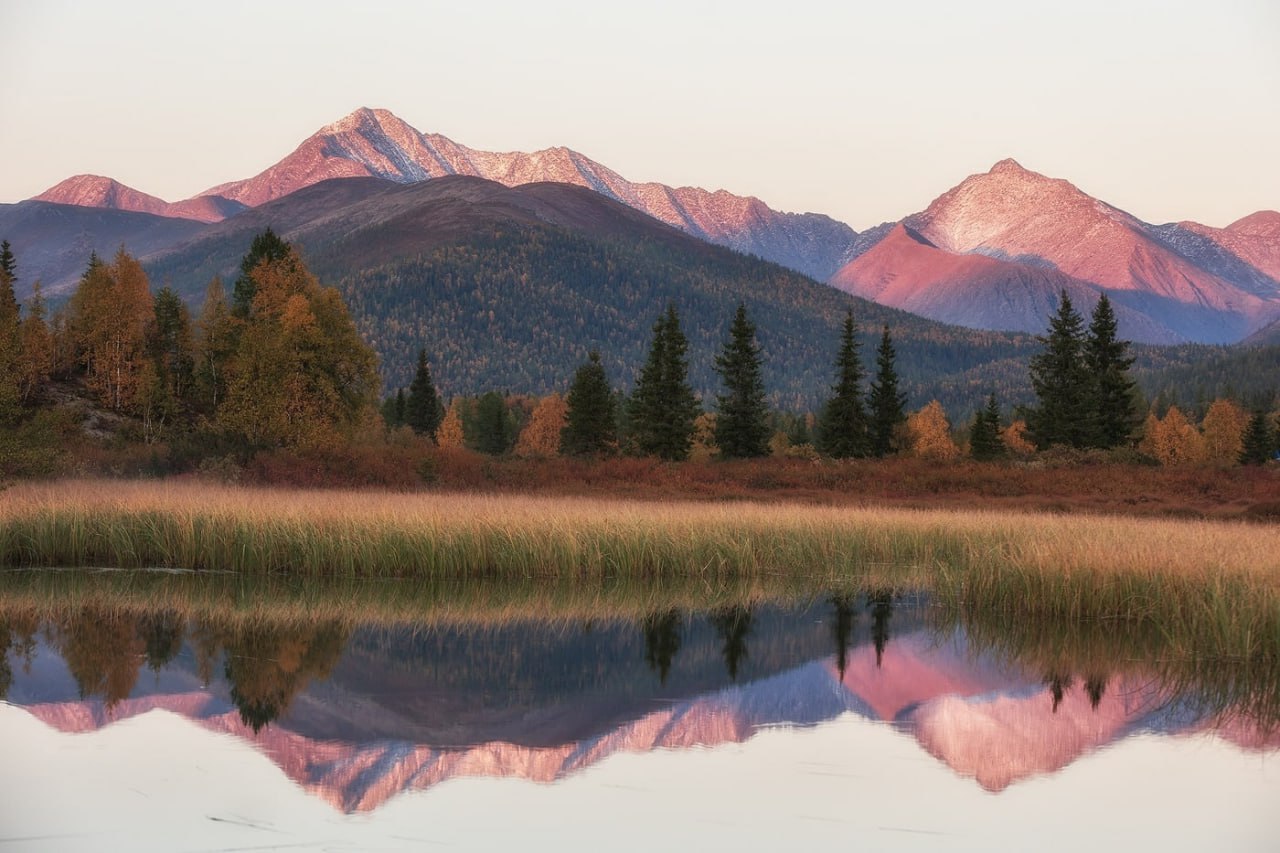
(278, 363)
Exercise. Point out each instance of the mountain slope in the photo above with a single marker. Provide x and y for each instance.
(376, 143)
(106, 193)
(906, 271)
(995, 251)
(512, 287)
(52, 242)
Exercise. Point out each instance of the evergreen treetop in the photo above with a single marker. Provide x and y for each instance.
(1112, 417)
(663, 406)
(742, 428)
(422, 409)
(842, 425)
(590, 422)
(1259, 441)
(1061, 383)
(266, 246)
(984, 438)
(886, 403)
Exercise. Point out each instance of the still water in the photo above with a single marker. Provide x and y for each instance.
(857, 721)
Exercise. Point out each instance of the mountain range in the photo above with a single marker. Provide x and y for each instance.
(992, 253)
(357, 748)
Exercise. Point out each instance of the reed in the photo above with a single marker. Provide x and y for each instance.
(1189, 576)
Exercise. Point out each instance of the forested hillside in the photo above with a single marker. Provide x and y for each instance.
(518, 307)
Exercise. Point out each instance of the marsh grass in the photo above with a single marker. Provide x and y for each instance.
(1215, 583)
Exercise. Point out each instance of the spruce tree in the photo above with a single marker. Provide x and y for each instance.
(266, 246)
(984, 438)
(1259, 442)
(742, 428)
(493, 431)
(1061, 383)
(1111, 415)
(662, 408)
(423, 410)
(590, 421)
(9, 338)
(8, 265)
(842, 426)
(886, 404)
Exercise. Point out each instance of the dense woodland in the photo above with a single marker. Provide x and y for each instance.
(275, 363)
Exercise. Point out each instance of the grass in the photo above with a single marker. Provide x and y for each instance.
(1215, 583)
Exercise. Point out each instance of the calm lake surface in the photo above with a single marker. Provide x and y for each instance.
(848, 720)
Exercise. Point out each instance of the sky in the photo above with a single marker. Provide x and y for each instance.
(1169, 109)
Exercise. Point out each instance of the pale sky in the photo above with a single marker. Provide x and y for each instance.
(1169, 109)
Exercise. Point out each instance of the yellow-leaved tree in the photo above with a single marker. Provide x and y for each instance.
(1173, 439)
(1223, 427)
(110, 312)
(1015, 439)
(930, 434)
(450, 434)
(300, 376)
(541, 438)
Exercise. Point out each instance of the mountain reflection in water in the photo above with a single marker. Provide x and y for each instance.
(356, 714)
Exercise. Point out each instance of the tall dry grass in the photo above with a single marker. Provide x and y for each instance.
(1194, 577)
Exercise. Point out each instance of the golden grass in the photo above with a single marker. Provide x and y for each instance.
(1198, 577)
(200, 526)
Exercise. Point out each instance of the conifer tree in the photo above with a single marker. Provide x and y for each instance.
(984, 438)
(492, 427)
(742, 428)
(301, 375)
(590, 420)
(423, 410)
(1259, 442)
(1061, 383)
(9, 337)
(8, 264)
(266, 246)
(663, 406)
(842, 426)
(1110, 410)
(886, 404)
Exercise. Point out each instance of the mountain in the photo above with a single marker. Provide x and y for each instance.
(1045, 235)
(356, 747)
(512, 287)
(108, 194)
(376, 143)
(52, 242)
(907, 271)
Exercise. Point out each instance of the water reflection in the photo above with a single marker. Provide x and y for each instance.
(358, 712)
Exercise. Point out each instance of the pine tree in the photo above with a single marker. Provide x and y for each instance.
(10, 340)
(590, 421)
(1111, 415)
(266, 246)
(886, 405)
(842, 426)
(984, 438)
(423, 410)
(742, 428)
(492, 427)
(663, 406)
(1259, 442)
(8, 264)
(1061, 383)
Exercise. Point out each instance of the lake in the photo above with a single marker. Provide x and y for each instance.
(868, 718)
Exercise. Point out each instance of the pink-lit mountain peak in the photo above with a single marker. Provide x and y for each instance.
(100, 191)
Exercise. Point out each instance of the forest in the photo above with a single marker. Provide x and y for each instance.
(480, 343)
